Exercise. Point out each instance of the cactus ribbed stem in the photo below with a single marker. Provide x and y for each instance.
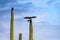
(20, 36)
(30, 30)
(12, 25)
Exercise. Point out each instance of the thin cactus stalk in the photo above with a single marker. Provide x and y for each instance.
(30, 30)
(12, 25)
(20, 36)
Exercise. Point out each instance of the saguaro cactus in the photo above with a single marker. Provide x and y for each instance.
(30, 27)
(30, 30)
(20, 36)
(12, 25)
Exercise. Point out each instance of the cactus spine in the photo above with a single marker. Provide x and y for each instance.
(20, 36)
(12, 25)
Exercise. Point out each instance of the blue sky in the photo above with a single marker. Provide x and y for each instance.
(46, 26)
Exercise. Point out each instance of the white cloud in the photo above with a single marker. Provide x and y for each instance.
(4, 35)
(45, 33)
(37, 3)
(18, 16)
(41, 17)
(5, 8)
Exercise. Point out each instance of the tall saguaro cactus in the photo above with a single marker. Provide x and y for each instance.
(20, 36)
(30, 27)
(12, 25)
(30, 30)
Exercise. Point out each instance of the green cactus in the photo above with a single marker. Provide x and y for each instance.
(12, 25)
(30, 27)
(20, 36)
(30, 30)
